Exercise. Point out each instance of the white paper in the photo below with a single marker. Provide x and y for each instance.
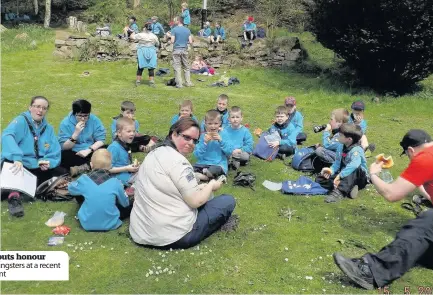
(272, 186)
(24, 182)
(274, 136)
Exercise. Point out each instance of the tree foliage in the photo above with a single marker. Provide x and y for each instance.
(388, 42)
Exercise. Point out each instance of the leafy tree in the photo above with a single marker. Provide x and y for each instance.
(387, 42)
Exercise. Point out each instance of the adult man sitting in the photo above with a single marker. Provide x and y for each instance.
(414, 242)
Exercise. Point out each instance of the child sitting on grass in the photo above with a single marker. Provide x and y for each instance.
(212, 150)
(349, 173)
(121, 155)
(199, 66)
(185, 111)
(240, 138)
(287, 145)
(222, 104)
(99, 193)
(330, 143)
(357, 117)
(142, 143)
(295, 118)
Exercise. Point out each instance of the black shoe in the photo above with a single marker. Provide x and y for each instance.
(15, 205)
(356, 269)
(334, 197)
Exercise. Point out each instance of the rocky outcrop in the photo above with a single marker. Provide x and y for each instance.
(284, 51)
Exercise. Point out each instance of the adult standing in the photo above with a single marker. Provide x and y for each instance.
(180, 37)
(170, 209)
(413, 243)
(30, 142)
(185, 14)
(146, 53)
(80, 134)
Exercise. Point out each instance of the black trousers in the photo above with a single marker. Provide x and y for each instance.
(215, 170)
(150, 71)
(139, 139)
(301, 137)
(70, 159)
(357, 177)
(286, 150)
(413, 245)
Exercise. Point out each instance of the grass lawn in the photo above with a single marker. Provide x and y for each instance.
(252, 259)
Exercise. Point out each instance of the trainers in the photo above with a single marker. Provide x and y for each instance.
(77, 170)
(354, 192)
(189, 85)
(371, 147)
(236, 165)
(421, 200)
(231, 223)
(137, 83)
(334, 197)
(356, 269)
(15, 205)
(151, 83)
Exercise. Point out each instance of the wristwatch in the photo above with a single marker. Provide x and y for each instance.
(72, 140)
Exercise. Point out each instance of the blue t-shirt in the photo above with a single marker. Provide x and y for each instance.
(181, 37)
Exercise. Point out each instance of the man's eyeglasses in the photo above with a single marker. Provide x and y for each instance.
(82, 115)
(38, 107)
(189, 138)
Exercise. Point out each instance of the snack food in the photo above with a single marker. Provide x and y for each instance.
(327, 170)
(258, 131)
(62, 230)
(135, 162)
(43, 162)
(388, 162)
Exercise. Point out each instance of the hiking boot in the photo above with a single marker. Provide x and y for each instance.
(250, 44)
(281, 156)
(334, 197)
(231, 223)
(421, 200)
(77, 170)
(137, 83)
(189, 85)
(15, 205)
(354, 192)
(356, 269)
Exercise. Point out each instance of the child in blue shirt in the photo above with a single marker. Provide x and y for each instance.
(222, 104)
(206, 31)
(157, 28)
(287, 144)
(212, 150)
(330, 143)
(295, 118)
(100, 192)
(349, 173)
(219, 34)
(142, 143)
(185, 111)
(240, 138)
(185, 14)
(121, 155)
(249, 31)
(357, 117)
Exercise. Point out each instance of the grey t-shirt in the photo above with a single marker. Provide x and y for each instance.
(181, 37)
(160, 215)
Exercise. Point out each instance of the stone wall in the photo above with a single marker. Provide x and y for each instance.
(284, 51)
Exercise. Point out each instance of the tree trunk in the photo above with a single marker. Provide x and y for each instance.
(136, 3)
(36, 7)
(47, 14)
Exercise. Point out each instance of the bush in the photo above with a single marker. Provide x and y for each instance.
(387, 42)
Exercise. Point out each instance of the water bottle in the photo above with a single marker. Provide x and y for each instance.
(386, 176)
(319, 128)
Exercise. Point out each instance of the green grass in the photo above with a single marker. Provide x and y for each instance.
(251, 260)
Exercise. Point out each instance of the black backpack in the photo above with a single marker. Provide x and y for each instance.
(245, 179)
(55, 189)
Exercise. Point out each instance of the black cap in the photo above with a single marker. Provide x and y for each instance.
(414, 138)
(358, 105)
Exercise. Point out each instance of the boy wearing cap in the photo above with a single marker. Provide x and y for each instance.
(412, 245)
(296, 119)
(348, 173)
(249, 31)
(357, 117)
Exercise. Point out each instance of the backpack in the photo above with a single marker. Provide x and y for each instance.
(245, 179)
(306, 160)
(171, 82)
(261, 33)
(263, 150)
(303, 186)
(55, 189)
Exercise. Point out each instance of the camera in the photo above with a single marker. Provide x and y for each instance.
(319, 128)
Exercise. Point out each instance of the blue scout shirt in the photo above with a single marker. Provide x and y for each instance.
(249, 27)
(18, 143)
(331, 143)
(240, 138)
(207, 32)
(297, 121)
(348, 160)
(362, 124)
(287, 133)
(186, 17)
(113, 127)
(157, 28)
(219, 32)
(93, 131)
(181, 37)
(134, 27)
(224, 120)
(214, 152)
(99, 211)
(120, 157)
(177, 117)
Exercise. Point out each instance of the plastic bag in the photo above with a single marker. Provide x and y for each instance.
(62, 230)
(57, 219)
(55, 240)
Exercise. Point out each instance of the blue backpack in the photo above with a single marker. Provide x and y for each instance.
(303, 186)
(263, 150)
(306, 160)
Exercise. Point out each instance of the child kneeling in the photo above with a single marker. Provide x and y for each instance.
(98, 211)
(348, 173)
